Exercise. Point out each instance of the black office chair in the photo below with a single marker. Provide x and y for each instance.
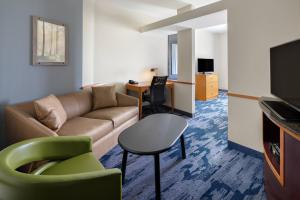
(157, 95)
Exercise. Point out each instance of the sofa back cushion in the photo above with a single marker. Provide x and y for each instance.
(76, 104)
(104, 96)
(50, 112)
(26, 109)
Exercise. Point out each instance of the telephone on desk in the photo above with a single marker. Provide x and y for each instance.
(133, 82)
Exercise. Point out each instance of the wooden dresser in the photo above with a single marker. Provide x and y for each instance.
(206, 86)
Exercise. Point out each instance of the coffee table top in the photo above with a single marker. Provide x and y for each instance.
(153, 134)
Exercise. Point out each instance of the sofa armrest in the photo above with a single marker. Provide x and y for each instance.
(20, 126)
(126, 100)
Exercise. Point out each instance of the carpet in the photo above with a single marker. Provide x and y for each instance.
(211, 170)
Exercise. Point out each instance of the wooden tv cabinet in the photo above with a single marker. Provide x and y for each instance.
(282, 177)
(206, 86)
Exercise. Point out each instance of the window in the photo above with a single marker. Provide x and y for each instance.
(173, 56)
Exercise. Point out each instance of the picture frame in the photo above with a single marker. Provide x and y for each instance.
(50, 42)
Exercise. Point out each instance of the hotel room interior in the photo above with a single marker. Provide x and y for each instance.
(149, 99)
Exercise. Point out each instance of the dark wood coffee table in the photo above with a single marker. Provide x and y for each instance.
(151, 136)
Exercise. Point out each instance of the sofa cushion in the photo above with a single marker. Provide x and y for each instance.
(94, 128)
(104, 96)
(118, 115)
(50, 112)
(77, 103)
(79, 164)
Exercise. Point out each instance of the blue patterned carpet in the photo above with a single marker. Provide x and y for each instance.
(211, 170)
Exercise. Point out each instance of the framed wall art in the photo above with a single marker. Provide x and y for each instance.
(49, 42)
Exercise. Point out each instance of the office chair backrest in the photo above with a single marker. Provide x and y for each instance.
(157, 89)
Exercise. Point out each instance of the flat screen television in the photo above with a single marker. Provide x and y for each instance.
(205, 65)
(285, 73)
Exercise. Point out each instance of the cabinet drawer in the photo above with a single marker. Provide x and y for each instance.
(213, 82)
(212, 87)
(212, 92)
(212, 78)
(211, 95)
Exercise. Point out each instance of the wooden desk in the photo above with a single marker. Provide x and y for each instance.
(140, 88)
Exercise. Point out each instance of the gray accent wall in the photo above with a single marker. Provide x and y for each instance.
(19, 80)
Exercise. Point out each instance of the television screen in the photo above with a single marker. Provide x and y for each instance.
(205, 65)
(285, 73)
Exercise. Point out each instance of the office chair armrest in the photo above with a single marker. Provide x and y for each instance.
(126, 100)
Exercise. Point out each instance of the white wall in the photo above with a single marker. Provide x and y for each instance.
(186, 55)
(253, 27)
(221, 59)
(204, 45)
(88, 42)
(213, 45)
(121, 52)
(184, 94)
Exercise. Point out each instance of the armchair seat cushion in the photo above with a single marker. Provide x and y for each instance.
(118, 115)
(79, 164)
(81, 126)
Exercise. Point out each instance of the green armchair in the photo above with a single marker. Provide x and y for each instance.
(72, 171)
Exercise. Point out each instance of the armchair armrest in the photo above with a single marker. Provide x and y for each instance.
(126, 100)
(20, 126)
(50, 148)
(102, 184)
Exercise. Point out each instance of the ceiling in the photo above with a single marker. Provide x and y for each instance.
(217, 29)
(174, 4)
(159, 9)
(212, 20)
(162, 9)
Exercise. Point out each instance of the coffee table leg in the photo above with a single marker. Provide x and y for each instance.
(157, 176)
(182, 147)
(124, 162)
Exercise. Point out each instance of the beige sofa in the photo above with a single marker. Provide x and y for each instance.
(103, 125)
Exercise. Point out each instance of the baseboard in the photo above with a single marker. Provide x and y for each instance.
(246, 150)
(223, 90)
(191, 115)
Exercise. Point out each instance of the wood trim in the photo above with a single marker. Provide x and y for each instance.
(294, 135)
(281, 180)
(181, 82)
(92, 85)
(170, 84)
(278, 177)
(243, 96)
